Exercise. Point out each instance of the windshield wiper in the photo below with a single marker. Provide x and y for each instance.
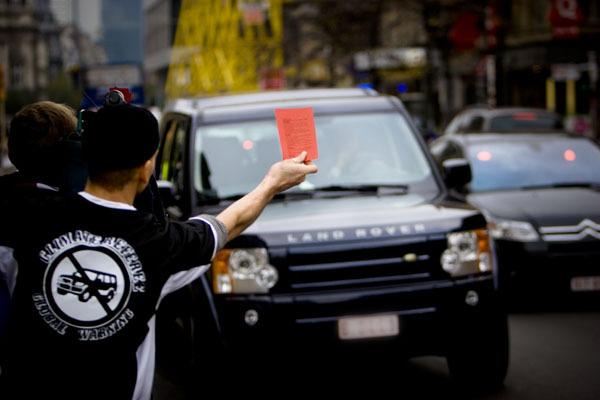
(382, 189)
(233, 197)
(563, 185)
(341, 190)
(303, 194)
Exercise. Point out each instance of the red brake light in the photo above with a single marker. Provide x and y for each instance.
(248, 145)
(484, 156)
(569, 155)
(525, 116)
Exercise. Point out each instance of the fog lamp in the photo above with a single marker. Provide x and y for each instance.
(251, 317)
(472, 298)
(450, 261)
(267, 277)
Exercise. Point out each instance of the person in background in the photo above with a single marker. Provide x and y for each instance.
(35, 134)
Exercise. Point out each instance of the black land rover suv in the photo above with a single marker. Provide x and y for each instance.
(369, 253)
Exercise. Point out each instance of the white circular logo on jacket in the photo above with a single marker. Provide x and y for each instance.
(88, 284)
(87, 287)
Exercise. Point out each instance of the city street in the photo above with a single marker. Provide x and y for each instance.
(282, 199)
(554, 355)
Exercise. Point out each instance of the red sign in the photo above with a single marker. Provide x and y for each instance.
(272, 78)
(297, 132)
(465, 31)
(565, 18)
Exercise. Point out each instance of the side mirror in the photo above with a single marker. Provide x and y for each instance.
(169, 198)
(167, 192)
(457, 172)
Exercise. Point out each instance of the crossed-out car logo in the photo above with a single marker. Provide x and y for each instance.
(88, 283)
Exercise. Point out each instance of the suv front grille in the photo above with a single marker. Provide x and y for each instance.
(365, 264)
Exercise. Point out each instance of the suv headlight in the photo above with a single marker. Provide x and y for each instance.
(243, 271)
(468, 252)
(518, 231)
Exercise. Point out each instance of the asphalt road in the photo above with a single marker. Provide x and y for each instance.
(554, 355)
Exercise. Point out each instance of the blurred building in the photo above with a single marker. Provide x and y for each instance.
(227, 46)
(550, 59)
(382, 43)
(447, 54)
(438, 56)
(84, 15)
(123, 31)
(29, 44)
(518, 52)
(37, 44)
(79, 50)
(161, 18)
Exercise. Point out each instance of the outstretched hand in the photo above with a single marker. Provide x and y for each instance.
(289, 173)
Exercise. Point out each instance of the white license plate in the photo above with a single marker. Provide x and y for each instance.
(368, 327)
(585, 283)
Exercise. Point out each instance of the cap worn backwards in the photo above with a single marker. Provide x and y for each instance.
(119, 137)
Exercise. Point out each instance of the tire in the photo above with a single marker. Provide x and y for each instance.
(478, 358)
(85, 296)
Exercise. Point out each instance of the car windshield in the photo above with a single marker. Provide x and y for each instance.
(523, 121)
(355, 151)
(545, 162)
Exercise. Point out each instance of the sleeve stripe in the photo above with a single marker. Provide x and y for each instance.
(219, 230)
(214, 232)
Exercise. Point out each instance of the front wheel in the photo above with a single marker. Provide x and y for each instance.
(85, 296)
(478, 358)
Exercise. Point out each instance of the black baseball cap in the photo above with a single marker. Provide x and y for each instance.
(118, 137)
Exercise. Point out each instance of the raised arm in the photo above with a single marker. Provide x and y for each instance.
(281, 176)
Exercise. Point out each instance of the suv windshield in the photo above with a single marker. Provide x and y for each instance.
(545, 162)
(355, 150)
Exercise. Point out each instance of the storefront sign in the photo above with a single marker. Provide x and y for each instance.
(407, 57)
(565, 17)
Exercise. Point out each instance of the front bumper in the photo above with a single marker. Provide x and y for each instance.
(429, 314)
(548, 270)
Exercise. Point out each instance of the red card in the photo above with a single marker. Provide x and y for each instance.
(297, 132)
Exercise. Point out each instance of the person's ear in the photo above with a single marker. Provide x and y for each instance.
(146, 171)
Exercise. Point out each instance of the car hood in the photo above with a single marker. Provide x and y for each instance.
(359, 218)
(542, 207)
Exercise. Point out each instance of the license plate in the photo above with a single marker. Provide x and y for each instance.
(585, 283)
(368, 327)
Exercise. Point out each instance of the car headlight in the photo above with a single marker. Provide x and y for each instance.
(243, 271)
(518, 231)
(468, 252)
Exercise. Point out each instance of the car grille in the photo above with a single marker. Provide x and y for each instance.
(365, 264)
(578, 248)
